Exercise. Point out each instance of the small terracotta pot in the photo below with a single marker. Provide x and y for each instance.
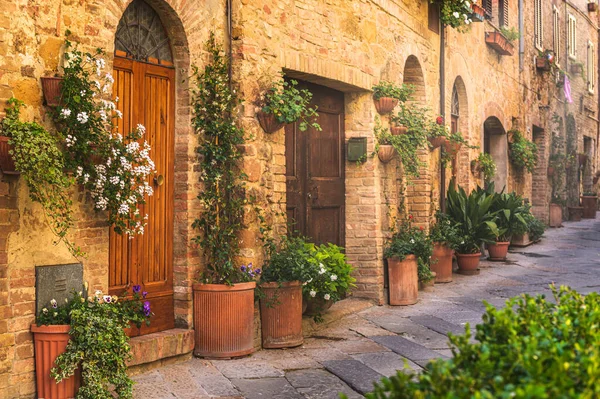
(468, 264)
(590, 206)
(51, 87)
(452, 148)
(281, 315)
(315, 306)
(7, 163)
(268, 122)
(498, 251)
(555, 215)
(398, 130)
(575, 213)
(441, 263)
(224, 319)
(385, 105)
(403, 280)
(436, 142)
(49, 343)
(386, 153)
(550, 171)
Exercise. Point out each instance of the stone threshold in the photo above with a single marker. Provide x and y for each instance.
(338, 311)
(160, 349)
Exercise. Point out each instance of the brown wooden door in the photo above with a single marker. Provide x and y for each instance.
(146, 96)
(315, 171)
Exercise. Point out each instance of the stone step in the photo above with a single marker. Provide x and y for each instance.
(438, 325)
(354, 373)
(408, 349)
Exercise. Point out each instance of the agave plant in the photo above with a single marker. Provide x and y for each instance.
(510, 211)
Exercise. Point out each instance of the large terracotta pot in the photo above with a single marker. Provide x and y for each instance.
(555, 215)
(281, 314)
(468, 264)
(49, 343)
(498, 251)
(268, 122)
(51, 86)
(403, 280)
(590, 205)
(224, 319)
(385, 105)
(7, 164)
(386, 153)
(575, 213)
(315, 306)
(441, 263)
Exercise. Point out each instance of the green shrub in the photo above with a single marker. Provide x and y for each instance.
(389, 89)
(532, 348)
(509, 210)
(410, 240)
(333, 278)
(444, 231)
(293, 261)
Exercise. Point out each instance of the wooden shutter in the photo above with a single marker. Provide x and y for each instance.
(572, 36)
(433, 16)
(539, 25)
(503, 13)
(556, 35)
(489, 9)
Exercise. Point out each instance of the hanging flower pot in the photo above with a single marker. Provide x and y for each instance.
(468, 264)
(386, 153)
(542, 63)
(452, 147)
(498, 251)
(398, 130)
(437, 142)
(281, 314)
(403, 281)
(550, 172)
(7, 163)
(51, 87)
(441, 262)
(268, 122)
(385, 105)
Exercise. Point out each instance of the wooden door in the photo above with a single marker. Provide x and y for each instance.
(146, 96)
(315, 171)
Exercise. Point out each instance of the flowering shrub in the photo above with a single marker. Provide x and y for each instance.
(444, 231)
(410, 240)
(292, 261)
(455, 13)
(333, 277)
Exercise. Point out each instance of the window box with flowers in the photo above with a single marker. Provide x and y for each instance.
(544, 61)
(502, 41)
(457, 14)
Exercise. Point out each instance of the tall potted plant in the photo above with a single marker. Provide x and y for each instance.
(224, 293)
(509, 210)
(444, 236)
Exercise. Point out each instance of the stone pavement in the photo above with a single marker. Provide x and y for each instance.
(350, 354)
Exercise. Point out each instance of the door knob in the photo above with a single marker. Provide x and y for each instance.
(159, 180)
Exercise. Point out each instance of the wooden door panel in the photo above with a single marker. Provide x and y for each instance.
(296, 201)
(324, 225)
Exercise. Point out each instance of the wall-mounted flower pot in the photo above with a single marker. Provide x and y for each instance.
(499, 43)
(577, 69)
(49, 343)
(385, 105)
(590, 206)
(51, 87)
(498, 251)
(555, 215)
(542, 64)
(575, 213)
(441, 263)
(398, 130)
(386, 153)
(452, 148)
(224, 319)
(468, 264)
(592, 7)
(281, 315)
(403, 281)
(268, 122)
(7, 163)
(550, 172)
(478, 14)
(437, 142)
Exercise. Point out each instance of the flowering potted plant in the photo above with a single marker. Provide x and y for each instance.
(545, 60)
(444, 237)
(93, 347)
(456, 14)
(408, 254)
(386, 96)
(283, 103)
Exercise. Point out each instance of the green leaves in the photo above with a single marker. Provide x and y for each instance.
(389, 89)
(523, 153)
(289, 104)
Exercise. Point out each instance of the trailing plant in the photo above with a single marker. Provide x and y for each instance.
(406, 146)
(523, 153)
(590, 194)
(410, 240)
(222, 198)
(558, 160)
(487, 166)
(444, 231)
(509, 210)
(531, 348)
(98, 343)
(510, 34)
(333, 278)
(389, 89)
(455, 13)
(293, 261)
(288, 104)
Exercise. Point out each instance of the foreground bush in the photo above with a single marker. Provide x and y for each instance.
(530, 349)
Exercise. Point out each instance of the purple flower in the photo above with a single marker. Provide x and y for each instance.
(144, 294)
(257, 271)
(136, 289)
(243, 268)
(146, 309)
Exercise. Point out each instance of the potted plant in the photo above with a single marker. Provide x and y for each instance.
(589, 200)
(286, 270)
(523, 153)
(509, 210)
(408, 254)
(51, 87)
(284, 103)
(475, 224)
(444, 237)
(405, 145)
(501, 41)
(456, 14)
(438, 135)
(544, 60)
(386, 96)
(531, 232)
(478, 14)
(484, 165)
(398, 130)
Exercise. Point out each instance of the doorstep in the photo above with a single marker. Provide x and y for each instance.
(338, 311)
(158, 349)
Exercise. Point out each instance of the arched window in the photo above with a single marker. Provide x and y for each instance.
(455, 107)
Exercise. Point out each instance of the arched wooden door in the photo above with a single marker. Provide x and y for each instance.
(145, 85)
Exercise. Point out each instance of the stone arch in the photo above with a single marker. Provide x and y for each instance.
(495, 143)
(458, 95)
(413, 75)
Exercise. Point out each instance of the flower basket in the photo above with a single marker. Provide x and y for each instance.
(468, 264)
(385, 105)
(403, 280)
(590, 206)
(268, 122)
(437, 142)
(555, 215)
(398, 130)
(577, 69)
(224, 319)
(452, 148)
(7, 163)
(575, 213)
(550, 171)
(49, 343)
(499, 43)
(51, 88)
(542, 64)
(478, 14)
(281, 314)
(592, 7)
(441, 263)
(386, 153)
(498, 251)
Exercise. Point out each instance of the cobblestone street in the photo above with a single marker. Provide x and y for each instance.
(350, 354)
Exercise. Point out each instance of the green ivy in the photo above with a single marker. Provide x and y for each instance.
(289, 104)
(487, 166)
(523, 153)
(389, 89)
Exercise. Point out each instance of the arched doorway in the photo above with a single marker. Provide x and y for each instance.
(495, 143)
(145, 85)
(459, 117)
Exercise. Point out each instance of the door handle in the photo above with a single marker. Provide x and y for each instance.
(159, 180)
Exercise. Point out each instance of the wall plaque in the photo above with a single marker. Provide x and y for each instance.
(56, 282)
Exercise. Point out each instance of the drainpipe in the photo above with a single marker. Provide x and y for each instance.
(442, 113)
(229, 40)
(521, 38)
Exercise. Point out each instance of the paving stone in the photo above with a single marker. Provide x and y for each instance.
(409, 349)
(179, 379)
(413, 331)
(387, 363)
(358, 346)
(319, 384)
(246, 368)
(357, 375)
(287, 359)
(266, 388)
(210, 378)
(438, 325)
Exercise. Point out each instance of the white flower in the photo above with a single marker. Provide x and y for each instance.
(82, 117)
(321, 271)
(326, 297)
(70, 140)
(109, 78)
(313, 293)
(53, 303)
(119, 114)
(65, 113)
(456, 14)
(103, 115)
(141, 128)
(412, 240)
(98, 293)
(45, 310)
(333, 277)
(82, 92)
(124, 208)
(107, 299)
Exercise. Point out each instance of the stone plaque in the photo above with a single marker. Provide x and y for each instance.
(58, 282)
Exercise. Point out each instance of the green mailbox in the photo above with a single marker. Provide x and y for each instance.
(357, 149)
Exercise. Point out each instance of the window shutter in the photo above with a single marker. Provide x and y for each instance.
(433, 16)
(487, 6)
(503, 13)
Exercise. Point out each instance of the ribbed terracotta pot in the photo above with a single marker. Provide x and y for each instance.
(281, 315)
(498, 251)
(49, 343)
(386, 153)
(441, 263)
(7, 164)
(268, 122)
(224, 319)
(555, 215)
(403, 281)
(468, 264)
(590, 205)
(51, 86)
(385, 105)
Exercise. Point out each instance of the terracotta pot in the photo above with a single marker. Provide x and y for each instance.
(498, 42)
(315, 306)
(49, 343)
(452, 148)
(550, 171)
(281, 315)
(441, 263)
(521, 240)
(575, 213)
(436, 142)
(224, 319)
(590, 206)
(398, 130)
(403, 280)
(555, 215)
(468, 264)
(385, 105)
(498, 251)
(51, 88)
(592, 7)
(542, 63)
(268, 122)
(386, 153)
(478, 14)
(7, 164)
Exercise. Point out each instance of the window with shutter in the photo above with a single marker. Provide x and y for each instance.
(572, 37)
(591, 67)
(556, 35)
(489, 9)
(433, 15)
(538, 25)
(503, 12)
